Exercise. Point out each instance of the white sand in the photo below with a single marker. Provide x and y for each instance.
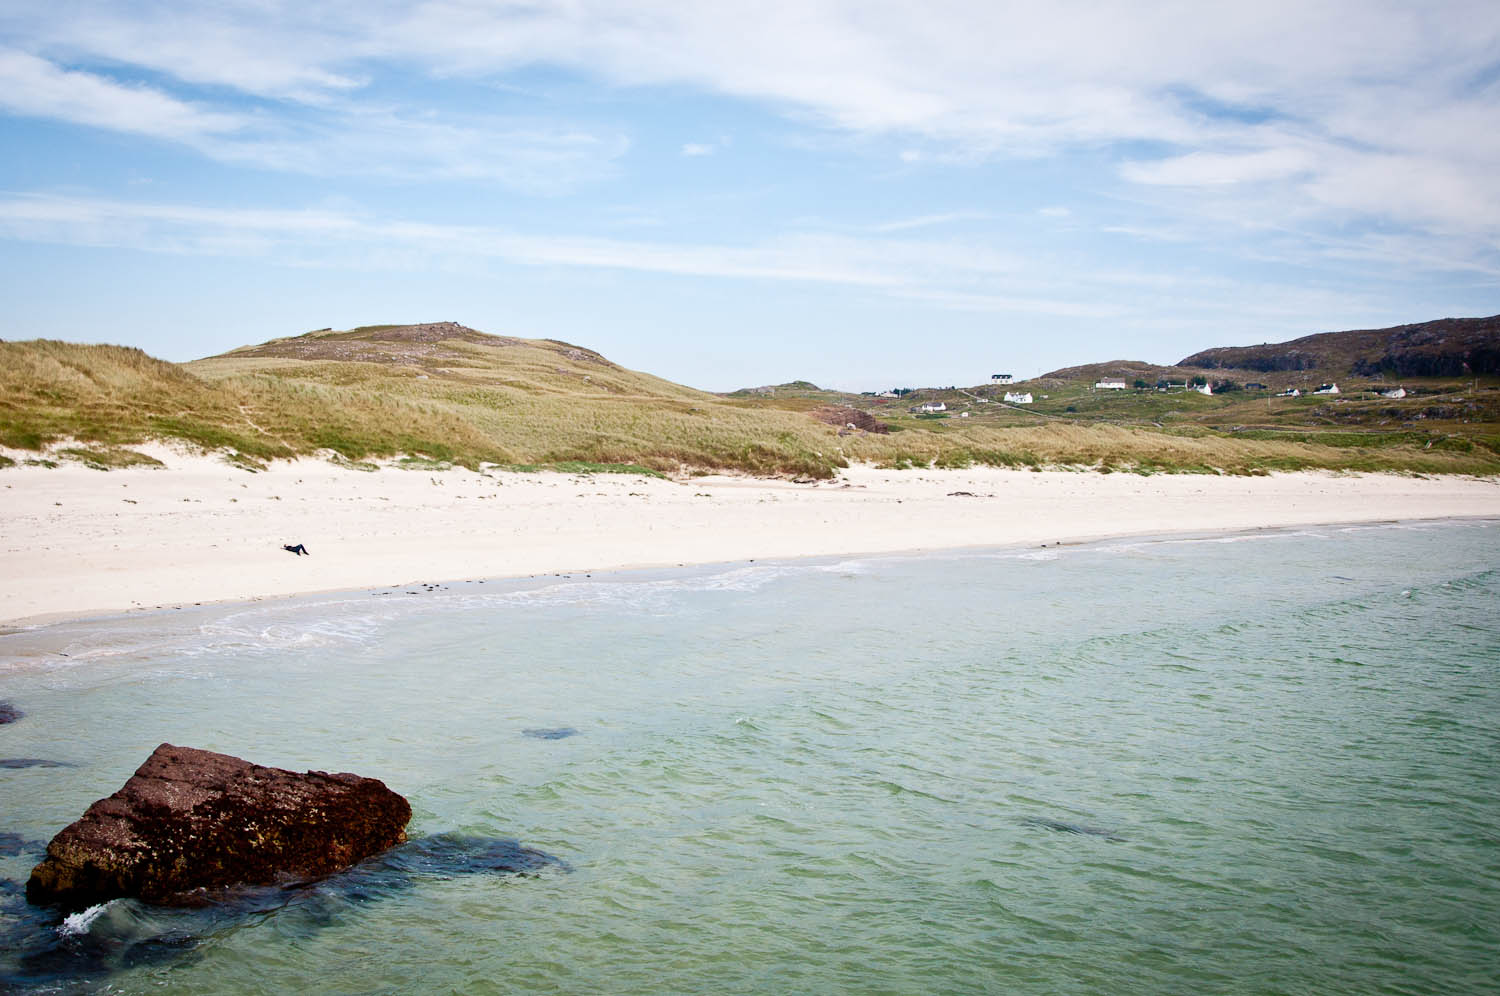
(76, 542)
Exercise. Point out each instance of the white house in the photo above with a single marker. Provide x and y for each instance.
(1204, 388)
(931, 406)
(1291, 392)
(1017, 398)
(1399, 392)
(1002, 378)
(1327, 389)
(1110, 385)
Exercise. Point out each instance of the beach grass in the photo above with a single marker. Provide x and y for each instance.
(522, 404)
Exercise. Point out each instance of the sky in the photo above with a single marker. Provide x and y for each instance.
(861, 193)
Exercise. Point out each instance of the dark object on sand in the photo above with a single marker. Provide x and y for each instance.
(299, 549)
(9, 713)
(191, 823)
(31, 762)
(554, 733)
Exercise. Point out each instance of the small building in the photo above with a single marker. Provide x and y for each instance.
(1394, 394)
(1017, 398)
(1171, 385)
(1110, 385)
(1204, 388)
(963, 414)
(1002, 378)
(1252, 386)
(1290, 392)
(887, 394)
(1327, 389)
(931, 406)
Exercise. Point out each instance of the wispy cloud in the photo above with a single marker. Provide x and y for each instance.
(36, 88)
(949, 275)
(1319, 97)
(334, 138)
(930, 220)
(1356, 140)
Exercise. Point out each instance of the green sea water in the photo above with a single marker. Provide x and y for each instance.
(1266, 763)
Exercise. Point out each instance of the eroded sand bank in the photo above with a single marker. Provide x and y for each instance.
(76, 542)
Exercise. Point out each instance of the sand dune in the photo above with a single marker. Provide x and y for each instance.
(77, 542)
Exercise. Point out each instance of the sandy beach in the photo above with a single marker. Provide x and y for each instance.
(78, 542)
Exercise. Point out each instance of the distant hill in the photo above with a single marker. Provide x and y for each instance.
(790, 387)
(431, 394)
(1126, 370)
(438, 392)
(1447, 347)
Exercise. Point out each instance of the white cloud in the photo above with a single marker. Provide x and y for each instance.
(1207, 169)
(533, 156)
(699, 149)
(930, 220)
(953, 275)
(334, 138)
(1321, 105)
(36, 88)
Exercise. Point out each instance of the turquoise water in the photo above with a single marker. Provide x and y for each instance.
(1253, 764)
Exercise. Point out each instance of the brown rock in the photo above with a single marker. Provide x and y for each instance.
(191, 822)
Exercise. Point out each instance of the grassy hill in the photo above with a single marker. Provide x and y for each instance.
(439, 392)
(444, 393)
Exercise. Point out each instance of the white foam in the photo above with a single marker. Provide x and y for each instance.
(76, 924)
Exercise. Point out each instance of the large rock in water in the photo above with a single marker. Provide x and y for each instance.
(191, 822)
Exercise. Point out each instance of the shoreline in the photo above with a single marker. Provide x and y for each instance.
(36, 625)
(78, 544)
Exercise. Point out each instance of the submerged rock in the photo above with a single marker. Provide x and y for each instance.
(551, 733)
(42, 950)
(1063, 826)
(31, 762)
(12, 844)
(9, 713)
(447, 855)
(190, 823)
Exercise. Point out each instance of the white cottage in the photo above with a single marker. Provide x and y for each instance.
(1110, 385)
(1017, 398)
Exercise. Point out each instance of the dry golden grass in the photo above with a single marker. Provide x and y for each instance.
(525, 402)
(464, 398)
(1140, 450)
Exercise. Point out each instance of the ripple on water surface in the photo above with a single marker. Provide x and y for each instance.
(1244, 764)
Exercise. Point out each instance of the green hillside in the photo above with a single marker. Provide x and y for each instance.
(443, 393)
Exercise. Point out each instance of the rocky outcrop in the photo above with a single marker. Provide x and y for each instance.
(190, 823)
(1447, 347)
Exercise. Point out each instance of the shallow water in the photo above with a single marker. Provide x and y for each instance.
(1261, 763)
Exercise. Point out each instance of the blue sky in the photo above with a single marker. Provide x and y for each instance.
(863, 194)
